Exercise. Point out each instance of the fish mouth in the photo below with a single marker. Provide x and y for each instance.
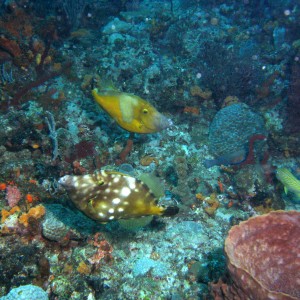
(66, 182)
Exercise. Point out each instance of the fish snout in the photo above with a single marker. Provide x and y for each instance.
(161, 122)
(66, 181)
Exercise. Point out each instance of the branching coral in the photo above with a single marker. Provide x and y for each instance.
(104, 250)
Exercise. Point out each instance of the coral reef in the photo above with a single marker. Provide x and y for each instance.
(224, 77)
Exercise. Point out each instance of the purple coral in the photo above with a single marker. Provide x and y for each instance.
(13, 195)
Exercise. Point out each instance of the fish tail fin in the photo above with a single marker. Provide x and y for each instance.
(170, 211)
(107, 84)
(95, 92)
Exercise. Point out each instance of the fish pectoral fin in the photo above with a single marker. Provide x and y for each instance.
(137, 123)
(286, 190)
(90, 205)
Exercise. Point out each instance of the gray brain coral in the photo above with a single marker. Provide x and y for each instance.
(53, 229)
(232, 127)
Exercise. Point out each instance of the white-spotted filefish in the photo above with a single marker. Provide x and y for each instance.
(109, 195)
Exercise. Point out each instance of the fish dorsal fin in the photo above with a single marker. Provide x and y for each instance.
(116, 173)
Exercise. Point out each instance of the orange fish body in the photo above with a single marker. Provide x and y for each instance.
(131, 112)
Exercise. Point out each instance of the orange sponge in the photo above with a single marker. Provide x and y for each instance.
(35, 212)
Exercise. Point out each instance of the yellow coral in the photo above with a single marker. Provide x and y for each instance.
(35, 212)
(265, 207)
(83, 268)
(200, 197)
(6, 213)
(198, 91)
(211, 201)
(147, 160)
(229, 100)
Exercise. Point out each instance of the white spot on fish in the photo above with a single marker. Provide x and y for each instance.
(125, 191)
(116, 179)
(101, 215)
(104, 206)
(107, 191)
(111, 210)
(131, 182)
(120, 209)
(116, 201)
(116, 191)
(111, 217)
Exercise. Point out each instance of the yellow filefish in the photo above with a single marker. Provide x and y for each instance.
(109, 195)
(289, 181)
(131, 112)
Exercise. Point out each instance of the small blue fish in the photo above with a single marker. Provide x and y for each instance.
(234, 158)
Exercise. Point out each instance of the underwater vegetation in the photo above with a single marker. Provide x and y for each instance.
(149, 149)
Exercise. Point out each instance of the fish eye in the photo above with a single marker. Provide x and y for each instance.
(145, 110)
